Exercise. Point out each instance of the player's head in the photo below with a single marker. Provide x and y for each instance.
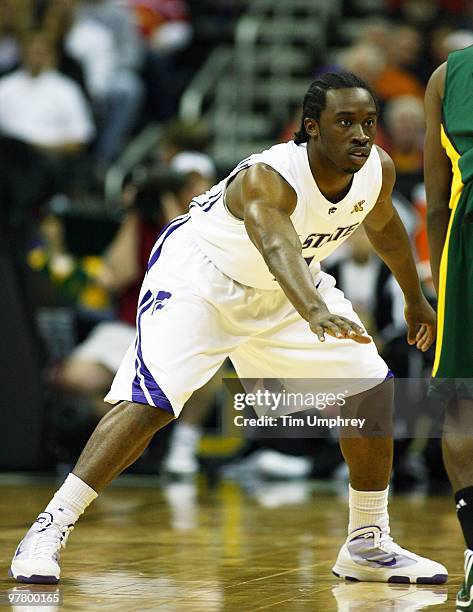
(339, 115)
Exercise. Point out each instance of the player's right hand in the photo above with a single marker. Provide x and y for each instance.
(325, 322)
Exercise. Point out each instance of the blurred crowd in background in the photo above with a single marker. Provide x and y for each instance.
(79, 81)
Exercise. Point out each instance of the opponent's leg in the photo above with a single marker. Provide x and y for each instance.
(457, 448)
(119, 439)
(369, 553)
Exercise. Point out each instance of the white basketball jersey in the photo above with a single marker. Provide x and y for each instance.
(321, 225)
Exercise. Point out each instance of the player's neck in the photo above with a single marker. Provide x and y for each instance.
(331, 181)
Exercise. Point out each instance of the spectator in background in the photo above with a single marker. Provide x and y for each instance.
(404, 122)
(166, 29)
(180, 136)
(365, 60)
(45, 125)
(184, 152)
(14, 21)
(164, 24)
(55, 19)
(401, 52)
(42, 107)
(199, 170)
(91, 367)
(104, 40)
(425, 13)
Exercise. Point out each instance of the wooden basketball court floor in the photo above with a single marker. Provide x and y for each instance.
(178, 547)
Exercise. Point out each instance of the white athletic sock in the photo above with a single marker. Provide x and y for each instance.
(368, 508)
(74, 495)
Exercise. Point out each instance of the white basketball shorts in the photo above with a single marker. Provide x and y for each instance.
(191, 317)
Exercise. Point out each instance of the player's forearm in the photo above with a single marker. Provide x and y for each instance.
(437, 224)
(393, 246)
(293, 275)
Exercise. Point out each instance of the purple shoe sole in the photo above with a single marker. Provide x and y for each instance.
(35, 579)
(436, 579)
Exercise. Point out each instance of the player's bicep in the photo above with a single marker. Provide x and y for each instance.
(268, 202)
(383, 211)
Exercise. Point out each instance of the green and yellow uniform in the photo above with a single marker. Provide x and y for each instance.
(454, 353)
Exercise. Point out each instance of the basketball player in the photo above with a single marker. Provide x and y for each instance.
(239, 276)
(448, 181)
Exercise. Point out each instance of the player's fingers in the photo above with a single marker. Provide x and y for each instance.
(411, 335)
(355, 332)
(353, 326)
(319, 332)
(361, 339)
(421, 331)
(334, 330)
(426, 341)
(344, 325)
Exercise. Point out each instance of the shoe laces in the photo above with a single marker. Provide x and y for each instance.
(52, 539)
(384, 541)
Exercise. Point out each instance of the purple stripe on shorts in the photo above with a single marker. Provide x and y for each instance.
(169, 229)
(142, 374)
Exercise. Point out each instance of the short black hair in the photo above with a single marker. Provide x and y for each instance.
(316, 97)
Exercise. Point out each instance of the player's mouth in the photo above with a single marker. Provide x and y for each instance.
(359, 154)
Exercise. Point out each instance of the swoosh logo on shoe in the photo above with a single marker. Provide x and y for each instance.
(20, 549)
(387, 563)
(45, 519)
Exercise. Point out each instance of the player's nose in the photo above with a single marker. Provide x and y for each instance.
(359, 135)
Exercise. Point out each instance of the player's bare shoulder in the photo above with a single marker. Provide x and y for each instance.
(389, 173)
(259, 183)
(436, 84)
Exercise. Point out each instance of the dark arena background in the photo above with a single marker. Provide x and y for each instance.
(114, 115)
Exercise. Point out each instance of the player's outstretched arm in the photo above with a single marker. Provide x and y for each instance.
(437, 172)
(267, 202)
(389, 238)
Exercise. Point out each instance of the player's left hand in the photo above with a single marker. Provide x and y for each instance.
(421, 323)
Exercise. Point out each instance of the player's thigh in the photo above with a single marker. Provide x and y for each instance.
(180, 344)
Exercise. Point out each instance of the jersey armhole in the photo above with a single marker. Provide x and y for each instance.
(233, 176)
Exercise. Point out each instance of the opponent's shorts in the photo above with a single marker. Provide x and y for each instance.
(191, 317)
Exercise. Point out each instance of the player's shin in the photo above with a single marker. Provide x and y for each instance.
(119, 439)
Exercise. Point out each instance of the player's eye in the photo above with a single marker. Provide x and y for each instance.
(370, 122)
(345, 122)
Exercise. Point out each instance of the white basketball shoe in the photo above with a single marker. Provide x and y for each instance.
(36, 559)
(465, 594)
(370, 555)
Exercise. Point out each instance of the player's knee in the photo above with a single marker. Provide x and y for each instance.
(148, 418)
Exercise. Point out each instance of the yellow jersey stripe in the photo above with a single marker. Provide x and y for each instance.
(456, 191)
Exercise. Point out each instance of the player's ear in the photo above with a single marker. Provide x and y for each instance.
(311, 127)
